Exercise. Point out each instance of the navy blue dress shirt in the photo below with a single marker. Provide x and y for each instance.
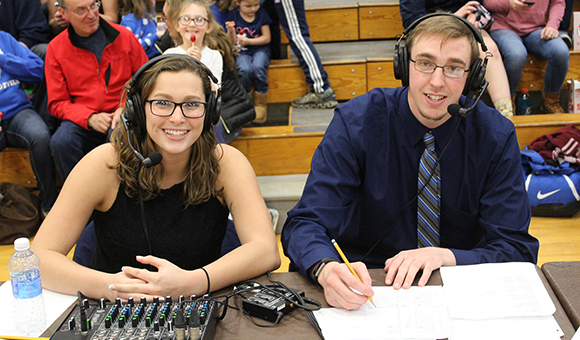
(364, 172)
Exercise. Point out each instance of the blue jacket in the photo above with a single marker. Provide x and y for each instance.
(17, 64)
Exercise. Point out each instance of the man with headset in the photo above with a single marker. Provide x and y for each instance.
(365, 180)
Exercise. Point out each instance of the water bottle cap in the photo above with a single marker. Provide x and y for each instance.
(21, 244)
(525, 90)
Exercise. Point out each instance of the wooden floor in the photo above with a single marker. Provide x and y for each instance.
(559, 241)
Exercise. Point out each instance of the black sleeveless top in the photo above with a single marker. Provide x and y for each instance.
(187, 237)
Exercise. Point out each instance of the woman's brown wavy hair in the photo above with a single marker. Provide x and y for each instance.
(203, 163)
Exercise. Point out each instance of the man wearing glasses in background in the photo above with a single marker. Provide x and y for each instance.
(403, 185)
(86, 67)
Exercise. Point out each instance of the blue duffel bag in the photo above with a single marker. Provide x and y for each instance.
(552, 191)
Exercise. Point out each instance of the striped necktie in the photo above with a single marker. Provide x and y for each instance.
(428, 200)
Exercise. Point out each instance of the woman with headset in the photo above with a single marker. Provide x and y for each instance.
(160, 220)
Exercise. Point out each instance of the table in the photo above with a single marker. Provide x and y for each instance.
(564, 278)
(296, 325)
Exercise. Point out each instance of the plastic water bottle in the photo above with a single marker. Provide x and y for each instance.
(524, 103)
(28, 303)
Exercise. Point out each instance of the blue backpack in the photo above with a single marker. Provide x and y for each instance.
(552, 191)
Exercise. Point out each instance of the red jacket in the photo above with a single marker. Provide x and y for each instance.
(78, 85)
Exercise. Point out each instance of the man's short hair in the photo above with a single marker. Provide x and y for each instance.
(446, 26)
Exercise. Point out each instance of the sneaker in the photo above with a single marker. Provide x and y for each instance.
(311, 100)
(564, 35)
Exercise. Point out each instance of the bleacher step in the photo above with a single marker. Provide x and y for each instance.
(282, 192)
(353, 51)
(309, 120)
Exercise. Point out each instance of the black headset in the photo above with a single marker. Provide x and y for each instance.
(476, 76)
(134, 114)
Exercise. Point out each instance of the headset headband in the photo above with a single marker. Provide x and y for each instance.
(474, 30)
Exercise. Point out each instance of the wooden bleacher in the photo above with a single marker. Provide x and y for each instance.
(354, 67)
(355, 40)
(286, 150)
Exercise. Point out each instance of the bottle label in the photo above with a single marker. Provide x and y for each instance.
(26, 288)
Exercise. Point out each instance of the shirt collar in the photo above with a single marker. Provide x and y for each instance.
(415, 130)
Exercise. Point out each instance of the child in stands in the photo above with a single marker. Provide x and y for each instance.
(139, 17)
(194, 18)
(248, 28)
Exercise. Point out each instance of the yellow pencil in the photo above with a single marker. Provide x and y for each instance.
(349, 266)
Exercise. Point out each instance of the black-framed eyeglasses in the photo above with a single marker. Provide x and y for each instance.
(199, 21)
(426, 66)
(83, 11)
(165, 108)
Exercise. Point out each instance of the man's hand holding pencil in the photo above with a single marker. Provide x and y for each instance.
(342, 288)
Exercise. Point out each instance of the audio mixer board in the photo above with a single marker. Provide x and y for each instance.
(144, 320)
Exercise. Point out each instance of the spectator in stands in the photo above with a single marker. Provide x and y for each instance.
(248, 29)
(292, 16)
(24, 20)
(108, 10)
(194, 18)
(86, 68)
(21, 126)
(56, 21)
(187, 199)
(220, 10)
(498, 89)
(519, 29)
(139, 17)
(565, 23)
(165, 41)
(365, 180)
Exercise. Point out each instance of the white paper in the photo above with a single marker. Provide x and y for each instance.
(415, 313)
(576, 335)
(528, 328)
(55, 304)
(497, 290)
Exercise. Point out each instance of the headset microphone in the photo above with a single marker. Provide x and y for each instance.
(458, 110)
(152, 159)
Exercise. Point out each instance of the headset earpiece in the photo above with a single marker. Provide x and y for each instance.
(476, 77)
(397, 61)
(404, 57)
(136, 115)
(213, 109)
(401, 62)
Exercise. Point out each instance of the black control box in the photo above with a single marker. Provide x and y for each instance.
(270, 306)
